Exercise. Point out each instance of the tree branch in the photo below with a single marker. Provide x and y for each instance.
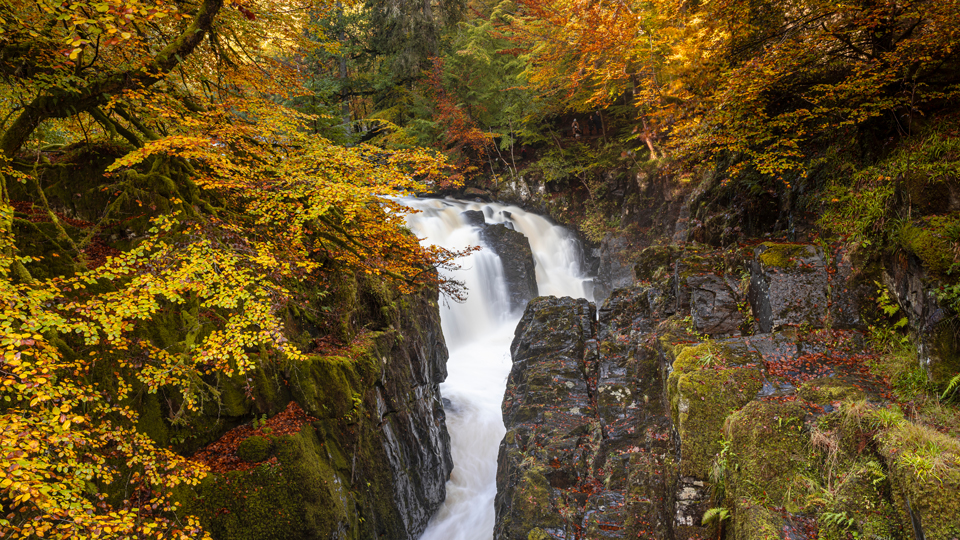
(60, 103)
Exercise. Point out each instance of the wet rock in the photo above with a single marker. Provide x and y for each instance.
(347, 473)
(477, 194)
(848, 291)
(716, 304)
(704, 289)
(616, 267)
(788, 286)
(549, 416)
(519, 269)
(474, 218)
(693, 499)
(938, 337)
(588, 432)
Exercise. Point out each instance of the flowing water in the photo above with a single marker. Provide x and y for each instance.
(478, 334)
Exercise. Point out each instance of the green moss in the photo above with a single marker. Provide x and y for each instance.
(924, 470)
(856, 490)
(945, 346)
(691, 265)
(708, 353)
(783, 255)
(753, 521)
(931, 243)
(233, 399)
(151, 419)
(535, 504)
(829, 390)
(300, 497)
(254, 449)
(700, 400)
(653, 263)
(538, 534)
(327, 386)
(769, 444)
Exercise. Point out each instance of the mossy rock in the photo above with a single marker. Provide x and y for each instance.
(769, 446)
(709, 353)
(857, 489)
(674, 337)
(944, 343)
(700, 400)
(753, 521)
(151, 420)
(254, 449)
(534, 503)
(538, 534)
(829, 390)
(778, 255)
(931, 242)
(330, 386)
(301, 496)
(653, 263)
(924, 471)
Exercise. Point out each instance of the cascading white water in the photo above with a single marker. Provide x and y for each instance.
(478, 334)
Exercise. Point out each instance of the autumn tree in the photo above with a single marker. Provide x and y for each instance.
(152, 172)
(756, 81)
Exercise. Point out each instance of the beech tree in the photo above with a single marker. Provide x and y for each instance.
(151, 169)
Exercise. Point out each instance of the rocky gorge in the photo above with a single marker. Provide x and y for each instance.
(367, 455)
(725, 392)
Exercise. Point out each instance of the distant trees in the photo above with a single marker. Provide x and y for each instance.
(757, 80)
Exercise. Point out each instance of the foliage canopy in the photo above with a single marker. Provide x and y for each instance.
(153, 168)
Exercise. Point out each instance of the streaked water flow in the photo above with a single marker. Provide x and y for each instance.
(478, 334)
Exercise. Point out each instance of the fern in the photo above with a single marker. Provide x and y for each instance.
(718, 515)
(842, 521)
(951, 386)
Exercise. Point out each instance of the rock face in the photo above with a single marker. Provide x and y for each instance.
(939, 349)
(788, 286)
(714, 297)
(689, 403)
(519, 269)
(549, 415)
(615, 270)
(348, 474)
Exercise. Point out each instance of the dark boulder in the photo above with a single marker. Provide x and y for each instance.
(715, 304)
(789, 286)
(519, 269)
(616, 267)
(588, 445)
(474, 218)
(713, 297)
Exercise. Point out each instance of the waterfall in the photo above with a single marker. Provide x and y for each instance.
(478, 334)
